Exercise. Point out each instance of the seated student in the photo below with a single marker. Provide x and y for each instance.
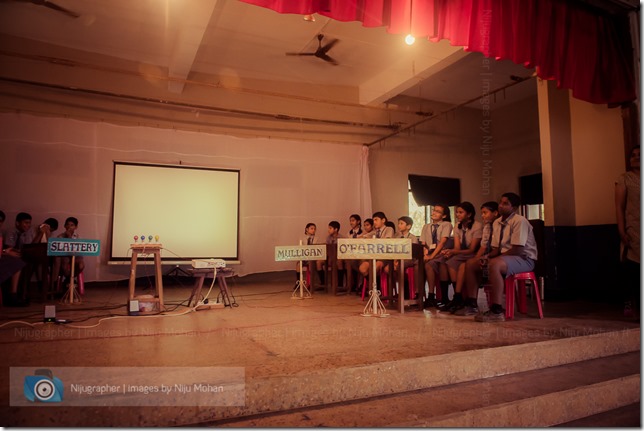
(332, 238)
(476, 268)
(20, 235)
(39, 262)
(405, 223)
(65, 262)
(434, 237)
(392, 225)
(367, 229)
(381, 230)
(43, 232)
(467, 238)
(10, 267)
(514, 250)
(355, 221)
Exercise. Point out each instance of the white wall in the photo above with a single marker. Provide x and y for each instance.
(54, 167)
(465, 144)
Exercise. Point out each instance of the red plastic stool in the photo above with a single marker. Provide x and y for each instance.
(384, 289)
(410, 282)
(510, 282)
(383, 285)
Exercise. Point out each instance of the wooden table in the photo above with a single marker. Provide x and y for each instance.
(201, 274)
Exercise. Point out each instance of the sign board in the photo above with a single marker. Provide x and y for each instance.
(73, 247)
(300, 252)
(374, 248)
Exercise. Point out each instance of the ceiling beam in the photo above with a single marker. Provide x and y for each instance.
(408, 72)
(192, 24)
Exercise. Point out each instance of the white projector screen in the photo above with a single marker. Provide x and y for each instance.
(194, 211)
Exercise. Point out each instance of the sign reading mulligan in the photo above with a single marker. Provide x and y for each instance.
(300, 252)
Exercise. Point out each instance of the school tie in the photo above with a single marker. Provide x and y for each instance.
(377, 233)
(501, 236)
(488, 247)
(464, 241)
(434, 234)
(310, 240)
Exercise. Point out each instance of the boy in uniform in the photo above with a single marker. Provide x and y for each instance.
(514, 250)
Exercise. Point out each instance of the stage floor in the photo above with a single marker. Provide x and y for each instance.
(266, 332)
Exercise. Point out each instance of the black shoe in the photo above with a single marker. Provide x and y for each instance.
(467, 310)
(441, 303)
(445, 307)
(458, 306)
(490, 316)
(429, 303)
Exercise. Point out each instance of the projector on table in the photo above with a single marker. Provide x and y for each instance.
(208, 263)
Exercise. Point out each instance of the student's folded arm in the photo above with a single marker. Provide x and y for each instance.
(495, 252)
(515, 250)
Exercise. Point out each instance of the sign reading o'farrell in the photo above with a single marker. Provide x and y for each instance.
(374, 248)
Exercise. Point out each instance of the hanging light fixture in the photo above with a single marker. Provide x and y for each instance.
(410, 39)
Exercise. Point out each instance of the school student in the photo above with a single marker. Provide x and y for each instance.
(332, 238)
(434, 236)
(405, 223)
(309, 239)
(467, 238)
(514, 250)
(65, 262)
(355, 221)
(367, 229)
(10, 267)
(380, 231)
(475, 270)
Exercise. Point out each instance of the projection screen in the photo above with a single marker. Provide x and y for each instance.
(194, 211)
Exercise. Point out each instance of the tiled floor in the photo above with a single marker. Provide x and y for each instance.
(267, 332)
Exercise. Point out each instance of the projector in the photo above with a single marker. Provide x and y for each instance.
(208, 263)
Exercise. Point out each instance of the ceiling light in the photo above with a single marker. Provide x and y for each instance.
(410, 39)
(309, 18)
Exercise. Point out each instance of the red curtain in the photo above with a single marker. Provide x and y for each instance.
(583, 51)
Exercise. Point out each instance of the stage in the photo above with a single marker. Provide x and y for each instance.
(319, 362)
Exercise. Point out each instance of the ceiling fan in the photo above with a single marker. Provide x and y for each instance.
(321, 52)
(50, 5)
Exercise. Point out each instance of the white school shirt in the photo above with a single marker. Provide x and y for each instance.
(476, 231)
(414, 238)
(517, 230)
(444, 230)
(385, 232)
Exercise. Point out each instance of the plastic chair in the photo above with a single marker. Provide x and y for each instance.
(510, 284)
(410, 282)
(383, 285)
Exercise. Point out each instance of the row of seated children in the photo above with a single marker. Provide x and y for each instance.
(13, 261)
(376, 227)
(481, 253)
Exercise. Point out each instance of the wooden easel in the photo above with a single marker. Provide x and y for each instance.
(154, 249)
